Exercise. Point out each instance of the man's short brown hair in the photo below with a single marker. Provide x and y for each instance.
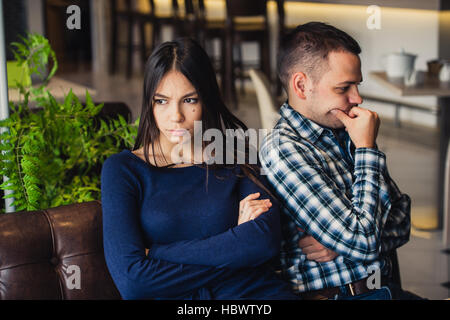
(308, 46)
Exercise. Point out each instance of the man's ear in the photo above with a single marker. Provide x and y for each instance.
(299, 84)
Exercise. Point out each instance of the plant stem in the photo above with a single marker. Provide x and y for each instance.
(19, 168)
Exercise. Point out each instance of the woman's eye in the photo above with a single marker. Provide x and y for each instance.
(160, 101)
(191, 100)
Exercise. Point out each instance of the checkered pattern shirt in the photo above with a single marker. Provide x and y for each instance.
(342, 197)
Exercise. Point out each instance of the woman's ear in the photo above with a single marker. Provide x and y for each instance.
(299, 83)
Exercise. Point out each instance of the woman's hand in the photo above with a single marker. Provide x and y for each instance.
(250, 208)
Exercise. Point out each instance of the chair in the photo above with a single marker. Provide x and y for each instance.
(395, 283)
(194, 12)
(174, 19)
(195, 23)
(267, 108)
(395, 276)
(283, 29)
(246, 22)
(126, 14)
(205, 30)
(129, 12)
(446, 211)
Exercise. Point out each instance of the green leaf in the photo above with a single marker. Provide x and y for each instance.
(53, 156)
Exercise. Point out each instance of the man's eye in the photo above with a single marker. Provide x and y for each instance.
(191, 100)
(343, 89)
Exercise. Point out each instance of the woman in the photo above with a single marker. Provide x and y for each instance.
(211, 228)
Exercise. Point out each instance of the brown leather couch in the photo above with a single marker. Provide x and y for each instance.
(54, 254)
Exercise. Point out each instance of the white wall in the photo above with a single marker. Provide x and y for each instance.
(414, 30)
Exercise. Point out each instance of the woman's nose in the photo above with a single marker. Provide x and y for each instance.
(176, 115)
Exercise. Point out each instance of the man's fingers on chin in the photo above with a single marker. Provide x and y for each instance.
(351, 114)
(356, 109)
(338, 113)
(341, 116)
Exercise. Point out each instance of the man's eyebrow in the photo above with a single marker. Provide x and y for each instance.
(349, 82)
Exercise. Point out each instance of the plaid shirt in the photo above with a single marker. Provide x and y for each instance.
(342, 197)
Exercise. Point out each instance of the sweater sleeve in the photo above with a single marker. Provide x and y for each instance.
(247, 245)
(136, 275)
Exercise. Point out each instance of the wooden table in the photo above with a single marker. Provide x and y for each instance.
(441, 90)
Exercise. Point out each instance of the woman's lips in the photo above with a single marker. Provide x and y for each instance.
(178, 132)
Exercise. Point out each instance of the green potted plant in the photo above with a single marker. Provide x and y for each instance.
(52, 152)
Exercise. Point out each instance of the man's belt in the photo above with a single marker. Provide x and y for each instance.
(354, 289)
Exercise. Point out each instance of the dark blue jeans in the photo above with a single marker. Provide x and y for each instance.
(399, 294)
(379, 294)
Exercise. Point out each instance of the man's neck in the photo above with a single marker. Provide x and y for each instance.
(298, 105)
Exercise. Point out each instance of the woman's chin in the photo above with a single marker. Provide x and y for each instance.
(179, 140)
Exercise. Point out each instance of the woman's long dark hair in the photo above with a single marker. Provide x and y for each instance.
(188, 57)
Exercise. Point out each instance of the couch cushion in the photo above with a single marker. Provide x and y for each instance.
(54, 254)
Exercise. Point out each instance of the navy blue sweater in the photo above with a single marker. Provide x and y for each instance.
(189, 224)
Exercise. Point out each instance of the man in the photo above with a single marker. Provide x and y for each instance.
(343, 213)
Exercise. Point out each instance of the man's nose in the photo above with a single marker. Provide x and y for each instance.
(355, 97)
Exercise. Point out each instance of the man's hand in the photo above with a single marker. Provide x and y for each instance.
(361, 124)
(314, 250)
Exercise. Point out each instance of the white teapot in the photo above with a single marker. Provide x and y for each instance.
(444, 74)
(399, 64)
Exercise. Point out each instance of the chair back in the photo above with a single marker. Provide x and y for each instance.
(175, 6)
(121, 7)
(246, 8)
(446, 213)
(267, 108)
(281, 16)
(246, 12)
(195, 10)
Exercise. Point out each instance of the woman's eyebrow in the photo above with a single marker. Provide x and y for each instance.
(161, 95)
(190, 94)
(185, 96)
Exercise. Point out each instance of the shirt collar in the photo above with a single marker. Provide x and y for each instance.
(306, 128)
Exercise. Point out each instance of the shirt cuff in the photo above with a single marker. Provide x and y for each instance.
(369, 160)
